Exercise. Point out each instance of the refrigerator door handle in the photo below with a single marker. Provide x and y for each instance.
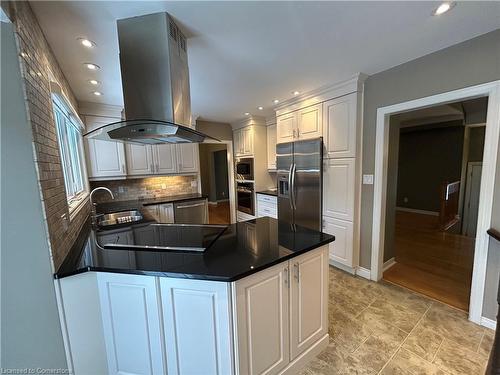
(290, 192)
(292, 187)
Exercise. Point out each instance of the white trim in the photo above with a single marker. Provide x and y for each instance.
(248, 121)
(364, 272)
(341, 266)
(415, 211)
(389, 263)
(307, 356)
(492, 91)
(489, 323)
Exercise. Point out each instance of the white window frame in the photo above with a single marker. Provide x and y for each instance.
(78, 200)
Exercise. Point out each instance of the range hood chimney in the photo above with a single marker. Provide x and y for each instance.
(155, 81)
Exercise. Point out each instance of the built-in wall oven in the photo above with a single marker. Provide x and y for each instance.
(246, 197)
(244, 169)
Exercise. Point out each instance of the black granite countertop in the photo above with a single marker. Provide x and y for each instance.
(273, 193)
(238, 251)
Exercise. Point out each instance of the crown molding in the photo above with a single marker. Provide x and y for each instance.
(321, 94)
(249, 121)
(99, 109)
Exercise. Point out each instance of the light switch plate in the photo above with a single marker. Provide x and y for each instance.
(367, 179)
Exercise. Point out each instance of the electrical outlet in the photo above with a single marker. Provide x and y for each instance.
(163, 186)
(367, 179)
(194, 183)
(121, 189)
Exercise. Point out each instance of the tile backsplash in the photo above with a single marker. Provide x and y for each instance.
(145, 188)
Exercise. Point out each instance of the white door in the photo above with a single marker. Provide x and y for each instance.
(309, 122)
(166, 212)
(187, 158)
(271, 147)
(105, 158)
(286, 126)
(471, 204)
(338, 188)
(308, 299)
(340, 126)
(262, 320)
(139, 159)
(131, 323)
(341, 250)
(165, 159)
(197, 321)
(247, 136)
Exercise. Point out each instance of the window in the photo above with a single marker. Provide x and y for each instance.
(69, 134)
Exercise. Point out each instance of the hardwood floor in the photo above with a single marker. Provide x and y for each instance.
(437, 264)
(219, 213)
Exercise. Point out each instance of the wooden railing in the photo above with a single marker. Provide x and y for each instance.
(449, 202)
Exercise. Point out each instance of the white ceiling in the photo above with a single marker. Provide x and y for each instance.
(245, 54)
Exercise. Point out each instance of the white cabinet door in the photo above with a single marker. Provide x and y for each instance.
(166, 212)
(340, 126)
(339, 188)
(247, 137)
(286, 126)
(105, 158)
(237, 141)
(139, 159)
(197, 321)
(308, 300)
(187, 158)
(341, 250)
(271, 147)
(131, 323)
(262, 318)
(165, 158)
(309, 121)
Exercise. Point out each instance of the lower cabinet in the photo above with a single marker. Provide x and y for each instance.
(197, 325)
(131, 324)
(271, 322)
(162, 213)
(341, 250)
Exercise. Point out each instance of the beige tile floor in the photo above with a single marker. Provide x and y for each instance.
(380, 328)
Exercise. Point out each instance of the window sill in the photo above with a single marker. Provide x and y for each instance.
(76, 206)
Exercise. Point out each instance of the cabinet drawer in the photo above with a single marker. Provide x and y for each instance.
(267, 211)
(267, 199)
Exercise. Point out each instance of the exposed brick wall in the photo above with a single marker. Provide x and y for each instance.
(39, 67)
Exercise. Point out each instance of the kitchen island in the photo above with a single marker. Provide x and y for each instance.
(250, 298)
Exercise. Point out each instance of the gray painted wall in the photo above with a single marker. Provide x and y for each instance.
(31, 335)
(466, 64)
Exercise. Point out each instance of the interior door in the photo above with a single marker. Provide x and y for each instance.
(307, 183)
(472, 190)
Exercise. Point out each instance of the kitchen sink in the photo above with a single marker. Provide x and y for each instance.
(119, 218)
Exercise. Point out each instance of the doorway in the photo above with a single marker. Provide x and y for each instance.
(214, 176)
(381, 182)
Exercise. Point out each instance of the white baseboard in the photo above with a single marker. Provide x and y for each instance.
(415, 211)
(489, 323)
(364, 272)
(302, 360)
(388, 264)
(343, 267)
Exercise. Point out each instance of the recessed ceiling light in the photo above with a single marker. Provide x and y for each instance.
(276, 101)
(260, 108)
(97, 93)
(94, 82)
(296, 93)
(443, 8)
(86, 43)
(91, 66)
(247, 113)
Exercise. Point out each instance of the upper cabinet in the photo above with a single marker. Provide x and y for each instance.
(340, 126)
(271, 147)
(139, 159)
(187, 158)
(305, 123)
(105, 159)
(243, 141)
(165, 156)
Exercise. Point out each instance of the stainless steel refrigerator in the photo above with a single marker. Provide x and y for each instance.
(300, 178)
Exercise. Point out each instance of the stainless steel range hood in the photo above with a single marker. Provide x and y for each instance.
(155, 80)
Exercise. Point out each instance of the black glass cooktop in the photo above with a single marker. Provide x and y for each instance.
(160, 237)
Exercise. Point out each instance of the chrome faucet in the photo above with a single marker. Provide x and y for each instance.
(93, 213)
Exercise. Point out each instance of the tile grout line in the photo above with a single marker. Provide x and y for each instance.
(403, 342)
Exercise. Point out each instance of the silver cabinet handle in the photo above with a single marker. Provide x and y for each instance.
(293, 134)
(297, 271)
(158, 167)
(123, 168)
(286, 276)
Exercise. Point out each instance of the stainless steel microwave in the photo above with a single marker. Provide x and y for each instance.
(244, 169)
